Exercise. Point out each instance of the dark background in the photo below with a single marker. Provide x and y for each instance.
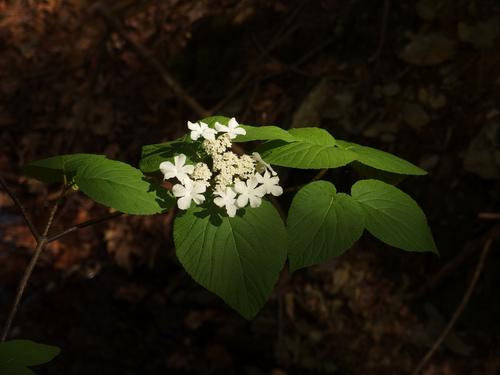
(420, 79)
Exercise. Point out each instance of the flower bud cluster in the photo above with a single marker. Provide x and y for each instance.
(232, 181)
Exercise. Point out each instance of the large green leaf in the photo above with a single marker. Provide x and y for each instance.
(264, 133)
(17, 355)
(153, 155)
(239, 258)
(305, 155)
(254, 133)
(122, 187)
(381, 160)
(321, 224)
(315, 136)
(393, 216)
(54, 169)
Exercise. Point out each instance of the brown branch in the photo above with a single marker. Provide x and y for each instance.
(42, 241)
(145, 54)
(383, 31)
(459, 310)
(28, 221)
(283, 31)
(83, 225)
(489, 215)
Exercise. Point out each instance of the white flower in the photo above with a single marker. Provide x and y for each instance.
(246, 166)
(201, 130)
(261, 164)
(249, 192)
(226, 198)
(191, 190)
(178, 169)
(232, 128)
(218, 146)
(222, 180)
(269, 184)
(201, 172)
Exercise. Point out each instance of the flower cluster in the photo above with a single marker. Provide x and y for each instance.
(232, 181)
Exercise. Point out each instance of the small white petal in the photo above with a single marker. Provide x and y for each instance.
(184, 203)
(219, 202)
(168, 169)
(276, 190)
(198, 198)
(255, 201)
(209, 134)
(178, 190)
(242, 201)
(179, 160)
(221, 128)
(232, 123)
(231, 210)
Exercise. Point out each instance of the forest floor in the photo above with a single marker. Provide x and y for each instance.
(419, 79)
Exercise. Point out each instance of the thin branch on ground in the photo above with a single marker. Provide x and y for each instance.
(42, 241)
(145, 54)
(489, 216)
(286, 28)
(83, 225)
(383, 31)
(459, 310)
(19, 205)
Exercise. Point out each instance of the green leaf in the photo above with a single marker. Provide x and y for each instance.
(321, 224)
(15, 370)
(304, 155)
(264, 133)
(153, 155)
(54, 169)
(122, 187)
(17, 355)
(381, 160)
(210, 121)
(254, 133)
(239, 258)
(393, 216)
(315, 136)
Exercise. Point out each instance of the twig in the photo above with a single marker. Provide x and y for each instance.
(383, 30)
(83, 225)
(489, 215)
(143, 52)
(459, 310)
(282, 31)
(42, 241)
(30, 224)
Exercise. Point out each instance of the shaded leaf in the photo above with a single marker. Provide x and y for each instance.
(264, 133)
(321, 224)
(17, 355)
(54, 169)
(305, 155)
(393, 216)
(239, 258)
(122, 187)
(382, 160)
(153, 155)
